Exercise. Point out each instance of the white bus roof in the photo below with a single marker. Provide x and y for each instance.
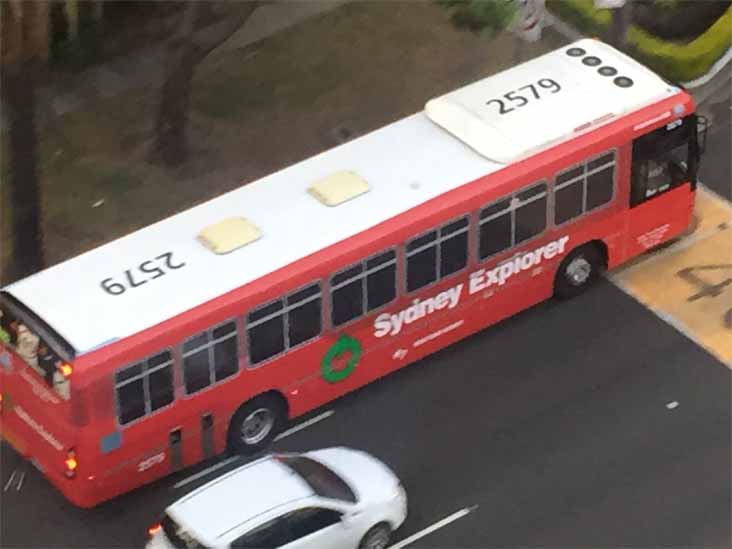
(404, 164)
(548, 98)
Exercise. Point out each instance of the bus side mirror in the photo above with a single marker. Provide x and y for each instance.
(701, 133)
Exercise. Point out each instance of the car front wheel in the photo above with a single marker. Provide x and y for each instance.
(376, 538)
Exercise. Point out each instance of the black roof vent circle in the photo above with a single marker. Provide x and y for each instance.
(623, 82)
(607, 71)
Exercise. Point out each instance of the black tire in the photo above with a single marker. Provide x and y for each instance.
(256, 424)
(578, 271)
(376, 538)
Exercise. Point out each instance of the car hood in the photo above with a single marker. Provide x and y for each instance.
(370, 478)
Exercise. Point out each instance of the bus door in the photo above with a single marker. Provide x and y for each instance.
(662, 183)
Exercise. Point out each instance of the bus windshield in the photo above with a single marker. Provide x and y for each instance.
(32, 341)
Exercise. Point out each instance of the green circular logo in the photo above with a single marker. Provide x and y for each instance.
(344, 344)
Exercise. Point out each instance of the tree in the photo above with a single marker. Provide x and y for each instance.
(523, 17)
(24, 44)
(194, 38)
(622, 18)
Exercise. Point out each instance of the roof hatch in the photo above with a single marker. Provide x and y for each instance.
(228, 235)
(339, 187)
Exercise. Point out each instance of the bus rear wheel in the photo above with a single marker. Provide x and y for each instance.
(255, 424)
(578, 271)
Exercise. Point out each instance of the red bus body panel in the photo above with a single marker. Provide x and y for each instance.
(116, 459)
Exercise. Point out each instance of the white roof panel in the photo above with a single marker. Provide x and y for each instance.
(510, 115)
(405, 164)
(294, 224)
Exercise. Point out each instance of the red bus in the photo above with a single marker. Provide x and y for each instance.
(211, 329)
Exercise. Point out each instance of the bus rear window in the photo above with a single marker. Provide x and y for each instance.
(22, 335)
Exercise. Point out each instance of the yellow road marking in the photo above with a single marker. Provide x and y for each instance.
(689, 284)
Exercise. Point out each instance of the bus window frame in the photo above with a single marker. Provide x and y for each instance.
(362, 276)
(171, 350)
(210, 351)
(438, 257)
(584, 176)
(690, 123)
(250, 365)
(511, 209)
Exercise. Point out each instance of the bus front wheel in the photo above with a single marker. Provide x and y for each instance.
(256, 424)
(578, 271)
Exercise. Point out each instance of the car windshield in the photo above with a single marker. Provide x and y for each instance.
(322, 480)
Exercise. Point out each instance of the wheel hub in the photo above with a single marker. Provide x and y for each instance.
(578, 271)
(257, 426)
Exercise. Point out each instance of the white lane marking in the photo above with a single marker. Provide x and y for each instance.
(305, 424)
(20, 482)
(205, 472)
(436, 526)
(10, 481)
(225, 462)
(672, 405)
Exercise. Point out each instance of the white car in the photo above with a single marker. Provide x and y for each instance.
(337, 498)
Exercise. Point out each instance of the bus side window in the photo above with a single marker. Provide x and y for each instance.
(529, 213)
(437, 254)
(144, 387)
(363, 287)
(511, 220)
(421, 261)
(662, 160)
(210, 356)
(284, 323)
(584, 187)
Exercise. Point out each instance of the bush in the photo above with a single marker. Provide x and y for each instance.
(680, 62)
(681, 20)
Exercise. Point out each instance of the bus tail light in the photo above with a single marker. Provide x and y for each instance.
(154, 529)
(70, 463)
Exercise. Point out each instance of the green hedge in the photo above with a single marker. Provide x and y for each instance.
(680, 62)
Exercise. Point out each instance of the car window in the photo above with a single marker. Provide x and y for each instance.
(323, 481)
(310, 520)
(269, 535)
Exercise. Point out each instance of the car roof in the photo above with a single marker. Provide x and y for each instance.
(241, 499)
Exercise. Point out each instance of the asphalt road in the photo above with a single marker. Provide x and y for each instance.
(556, 428)
(554, 424)
(716, 167)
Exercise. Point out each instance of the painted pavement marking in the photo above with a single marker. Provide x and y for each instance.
(689, 284)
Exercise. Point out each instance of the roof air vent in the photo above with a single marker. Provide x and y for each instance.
(228, 235)
(607, 71)
(337, 188)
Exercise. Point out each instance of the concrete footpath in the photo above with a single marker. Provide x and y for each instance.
(144, 67)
